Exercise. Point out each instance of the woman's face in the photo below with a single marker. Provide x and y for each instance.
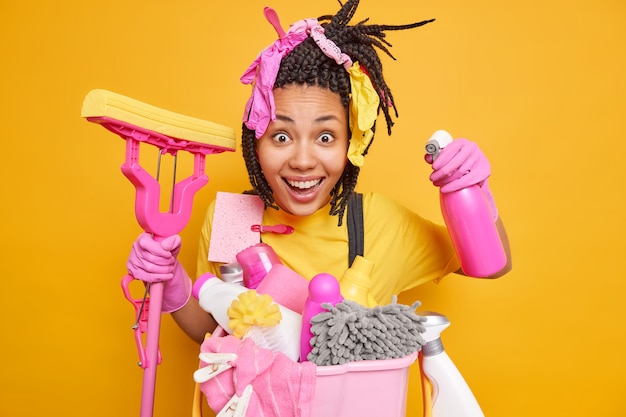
(303, 152)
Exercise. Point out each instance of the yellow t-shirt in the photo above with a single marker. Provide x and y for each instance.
(406, 249)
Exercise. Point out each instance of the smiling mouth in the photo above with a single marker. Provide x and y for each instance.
(303, 187)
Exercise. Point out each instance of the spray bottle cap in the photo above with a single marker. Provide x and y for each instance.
(197, 286)
(324, 288)
(439, 140)
(435, 324)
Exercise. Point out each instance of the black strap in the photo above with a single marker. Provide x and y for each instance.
(356, 239)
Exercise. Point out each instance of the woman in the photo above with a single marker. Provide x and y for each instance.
(307, 126)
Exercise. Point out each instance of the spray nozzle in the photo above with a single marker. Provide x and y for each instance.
(439, 140)
(435, 324)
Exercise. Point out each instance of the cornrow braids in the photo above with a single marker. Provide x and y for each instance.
(307, 65)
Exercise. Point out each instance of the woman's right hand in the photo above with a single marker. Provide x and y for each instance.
(152, 261)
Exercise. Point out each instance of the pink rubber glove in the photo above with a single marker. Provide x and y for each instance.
(260, 109)
(151, 261)
(462, 164)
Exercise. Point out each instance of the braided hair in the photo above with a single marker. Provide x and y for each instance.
(307, 65)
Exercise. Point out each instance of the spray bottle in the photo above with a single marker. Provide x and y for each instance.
(470, 222)
(446, 394)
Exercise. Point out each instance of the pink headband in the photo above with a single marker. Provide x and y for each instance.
(262, 72)
(260, 109)
(329, 48)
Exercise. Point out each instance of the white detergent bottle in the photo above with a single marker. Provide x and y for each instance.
(216, 296)
(450, 394)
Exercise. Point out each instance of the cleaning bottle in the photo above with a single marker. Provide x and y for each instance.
(355, 283)
(470, 222)
(256, 261)
(263, 271)
(446, 394)
(323, 288)
(215, 297)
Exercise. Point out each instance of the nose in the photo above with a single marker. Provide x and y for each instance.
(303, 156)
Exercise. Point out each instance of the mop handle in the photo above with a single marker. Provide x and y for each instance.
(161, 225)
(137, 123)
(152, 350)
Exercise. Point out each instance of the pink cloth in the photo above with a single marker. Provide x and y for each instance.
(286, 287)
(262, 72)
(281, 387)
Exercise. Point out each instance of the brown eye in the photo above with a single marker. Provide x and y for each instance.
(281, 137)
(326, 138)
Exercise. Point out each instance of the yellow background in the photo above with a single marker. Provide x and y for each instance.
(540, 85)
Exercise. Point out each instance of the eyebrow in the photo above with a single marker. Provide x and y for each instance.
(320, 119)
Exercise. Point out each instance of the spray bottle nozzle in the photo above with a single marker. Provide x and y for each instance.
(435, 324)
(439, 140)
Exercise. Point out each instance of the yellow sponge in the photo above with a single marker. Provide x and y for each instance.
(102, 103)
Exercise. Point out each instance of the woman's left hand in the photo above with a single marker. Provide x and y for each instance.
(459, 165)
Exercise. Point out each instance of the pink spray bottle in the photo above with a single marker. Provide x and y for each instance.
(470, 222)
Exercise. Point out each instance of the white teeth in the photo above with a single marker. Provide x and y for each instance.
(303, 184)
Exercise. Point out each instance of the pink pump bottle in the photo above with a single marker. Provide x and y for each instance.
(470, 222)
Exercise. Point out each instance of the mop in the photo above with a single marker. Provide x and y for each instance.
(138, 123)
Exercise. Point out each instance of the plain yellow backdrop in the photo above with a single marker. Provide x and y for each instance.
(540, 85)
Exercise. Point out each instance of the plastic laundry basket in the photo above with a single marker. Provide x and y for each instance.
(363, 389)
(356, 389)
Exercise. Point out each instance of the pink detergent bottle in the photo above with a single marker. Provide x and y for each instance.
(323, 288)
(470, 222)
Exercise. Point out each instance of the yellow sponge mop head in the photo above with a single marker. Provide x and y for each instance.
(106, 104)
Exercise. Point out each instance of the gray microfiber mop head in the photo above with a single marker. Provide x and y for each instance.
(350, 332)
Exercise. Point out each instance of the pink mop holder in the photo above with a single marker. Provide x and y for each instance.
(160, 225)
